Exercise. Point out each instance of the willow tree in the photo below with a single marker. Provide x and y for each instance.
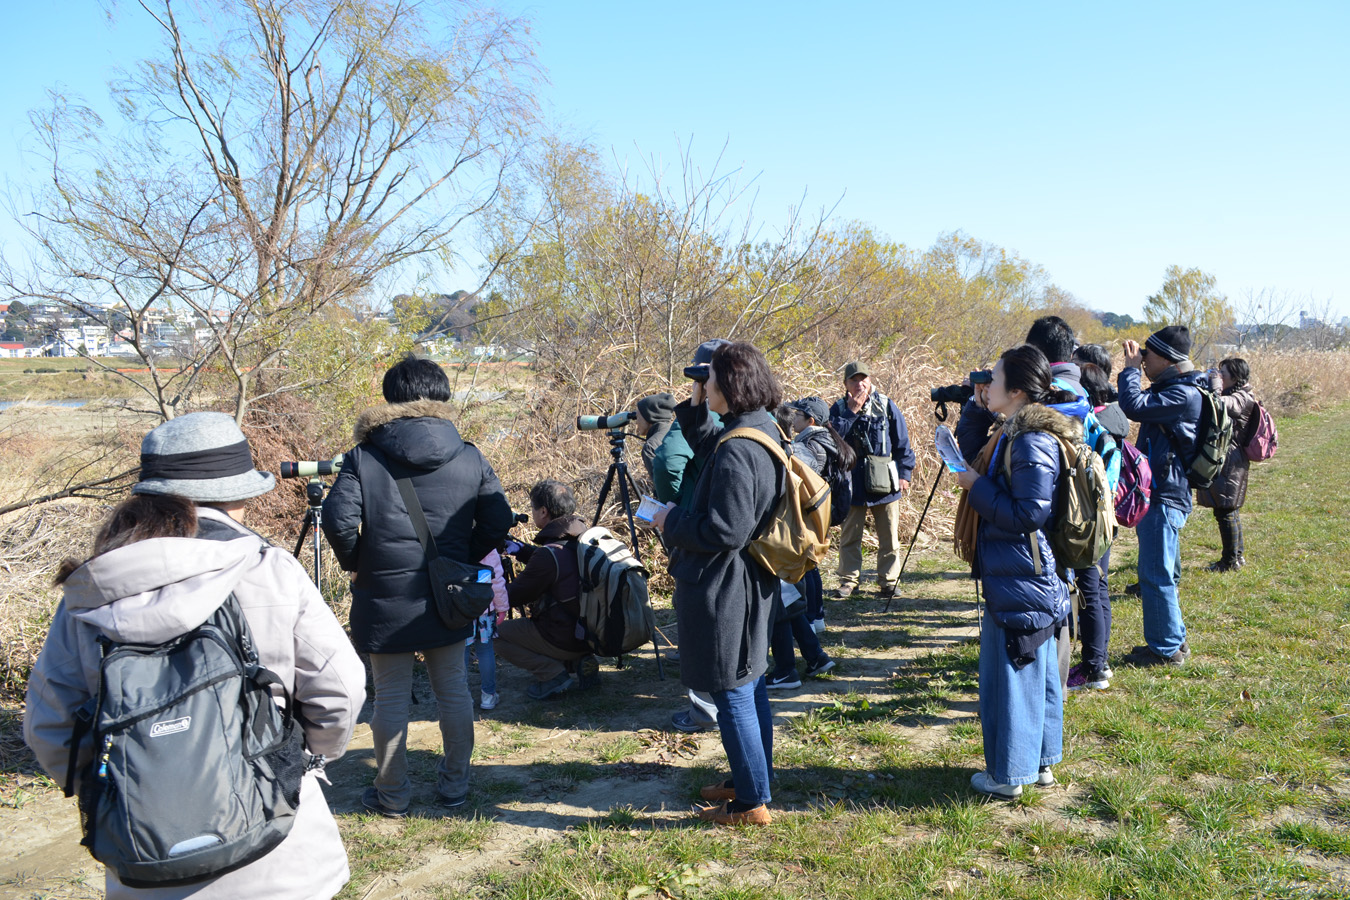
(273, 158)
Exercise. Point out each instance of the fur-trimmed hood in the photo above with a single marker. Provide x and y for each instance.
(420, 434)
(1037, 417)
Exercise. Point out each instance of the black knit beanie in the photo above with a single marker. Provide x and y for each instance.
(1172, 343)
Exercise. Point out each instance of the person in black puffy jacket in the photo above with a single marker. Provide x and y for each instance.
(1026, 602)
(393, 613)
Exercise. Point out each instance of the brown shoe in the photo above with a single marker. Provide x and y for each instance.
(722, 815)
(717, 793)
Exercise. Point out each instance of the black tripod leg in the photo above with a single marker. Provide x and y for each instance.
(626, 499)
(304, 532)
(917, 528)
(604, 492)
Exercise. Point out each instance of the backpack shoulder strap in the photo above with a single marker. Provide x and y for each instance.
(759, 437)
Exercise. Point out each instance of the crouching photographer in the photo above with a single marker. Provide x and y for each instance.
(548, 644)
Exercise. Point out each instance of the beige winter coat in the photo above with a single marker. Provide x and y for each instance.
(155, 590)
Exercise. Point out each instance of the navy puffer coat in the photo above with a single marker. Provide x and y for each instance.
(1168, 411)
(1019, 592)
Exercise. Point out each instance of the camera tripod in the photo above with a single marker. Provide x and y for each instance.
(940, 413)
(313, 522)
(618, 471)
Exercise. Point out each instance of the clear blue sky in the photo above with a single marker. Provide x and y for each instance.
(1103, 141)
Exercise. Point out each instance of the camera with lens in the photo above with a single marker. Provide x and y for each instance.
(960, 393)
(309, 468)
(606, 422)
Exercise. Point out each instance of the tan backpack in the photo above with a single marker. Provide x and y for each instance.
(797, 536)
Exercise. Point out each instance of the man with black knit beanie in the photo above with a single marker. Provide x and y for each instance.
(1169, 415)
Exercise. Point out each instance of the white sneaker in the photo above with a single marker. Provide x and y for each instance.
(818, 626)
(981, 782)
(1045, 777)
(488, 701)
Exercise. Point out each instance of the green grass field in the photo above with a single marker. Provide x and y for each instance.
(1223, 779)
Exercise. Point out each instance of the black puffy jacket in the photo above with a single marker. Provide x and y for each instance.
(368, 526)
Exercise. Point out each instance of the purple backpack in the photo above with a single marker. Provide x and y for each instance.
(1265, 438)
(1135, 485)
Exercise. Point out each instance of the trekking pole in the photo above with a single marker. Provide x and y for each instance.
(917, 528)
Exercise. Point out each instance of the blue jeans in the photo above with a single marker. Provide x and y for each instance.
(1021, 710)
(785, 630)
(1159, 570)
(814, 592)
(1094, 616)
(487, 664)
(747, 736)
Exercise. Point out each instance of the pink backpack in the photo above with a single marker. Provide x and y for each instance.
(1265, 438)
(1135, 485)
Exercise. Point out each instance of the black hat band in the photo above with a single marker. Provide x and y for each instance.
(198, 465)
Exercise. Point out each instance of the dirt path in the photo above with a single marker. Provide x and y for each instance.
(540, 769)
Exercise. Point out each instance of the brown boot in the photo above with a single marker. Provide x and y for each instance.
(722, 815)
(718, 793)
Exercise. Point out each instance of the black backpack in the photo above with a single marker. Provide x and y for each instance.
(841, 490)
(196, 770)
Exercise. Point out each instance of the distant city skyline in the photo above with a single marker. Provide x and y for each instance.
(1103, 143)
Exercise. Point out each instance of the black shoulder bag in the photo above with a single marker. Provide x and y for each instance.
(456, 588)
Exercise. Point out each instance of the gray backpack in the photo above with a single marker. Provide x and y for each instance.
(196, 770)
(616, 613)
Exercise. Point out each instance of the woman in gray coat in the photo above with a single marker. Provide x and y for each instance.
(723, 598)
(1229, 490)
(165, 561)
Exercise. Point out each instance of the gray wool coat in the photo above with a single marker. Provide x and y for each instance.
(723, 598)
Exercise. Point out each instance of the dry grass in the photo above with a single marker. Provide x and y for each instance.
(1293, 382)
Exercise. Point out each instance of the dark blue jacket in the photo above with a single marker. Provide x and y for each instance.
(1014, 513)
(874, 435)
(1169, 405)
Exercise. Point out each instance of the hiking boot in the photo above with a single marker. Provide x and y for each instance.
(784, 682)
(588, 672)
(684, 721)
(819, 667)
(721, 792)
(1144, 657)
(1084, 676)
(370, 799)
(1045, 777)
(723, 814)
(489, 700)
(541, 690)
(886, 593)
(981, 782)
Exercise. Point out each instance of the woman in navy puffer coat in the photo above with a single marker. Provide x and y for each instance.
(1021, 705)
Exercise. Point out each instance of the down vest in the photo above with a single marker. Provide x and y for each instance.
(368, 527)
(155, 590)
(1016, 511)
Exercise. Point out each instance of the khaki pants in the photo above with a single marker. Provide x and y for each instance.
(886, 521)
(393, 677)
(520, 643)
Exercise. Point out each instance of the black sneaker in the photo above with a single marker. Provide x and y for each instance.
(819, 667)
(784, 682)
(1134, 590)
(452, 802)
(370, 799)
